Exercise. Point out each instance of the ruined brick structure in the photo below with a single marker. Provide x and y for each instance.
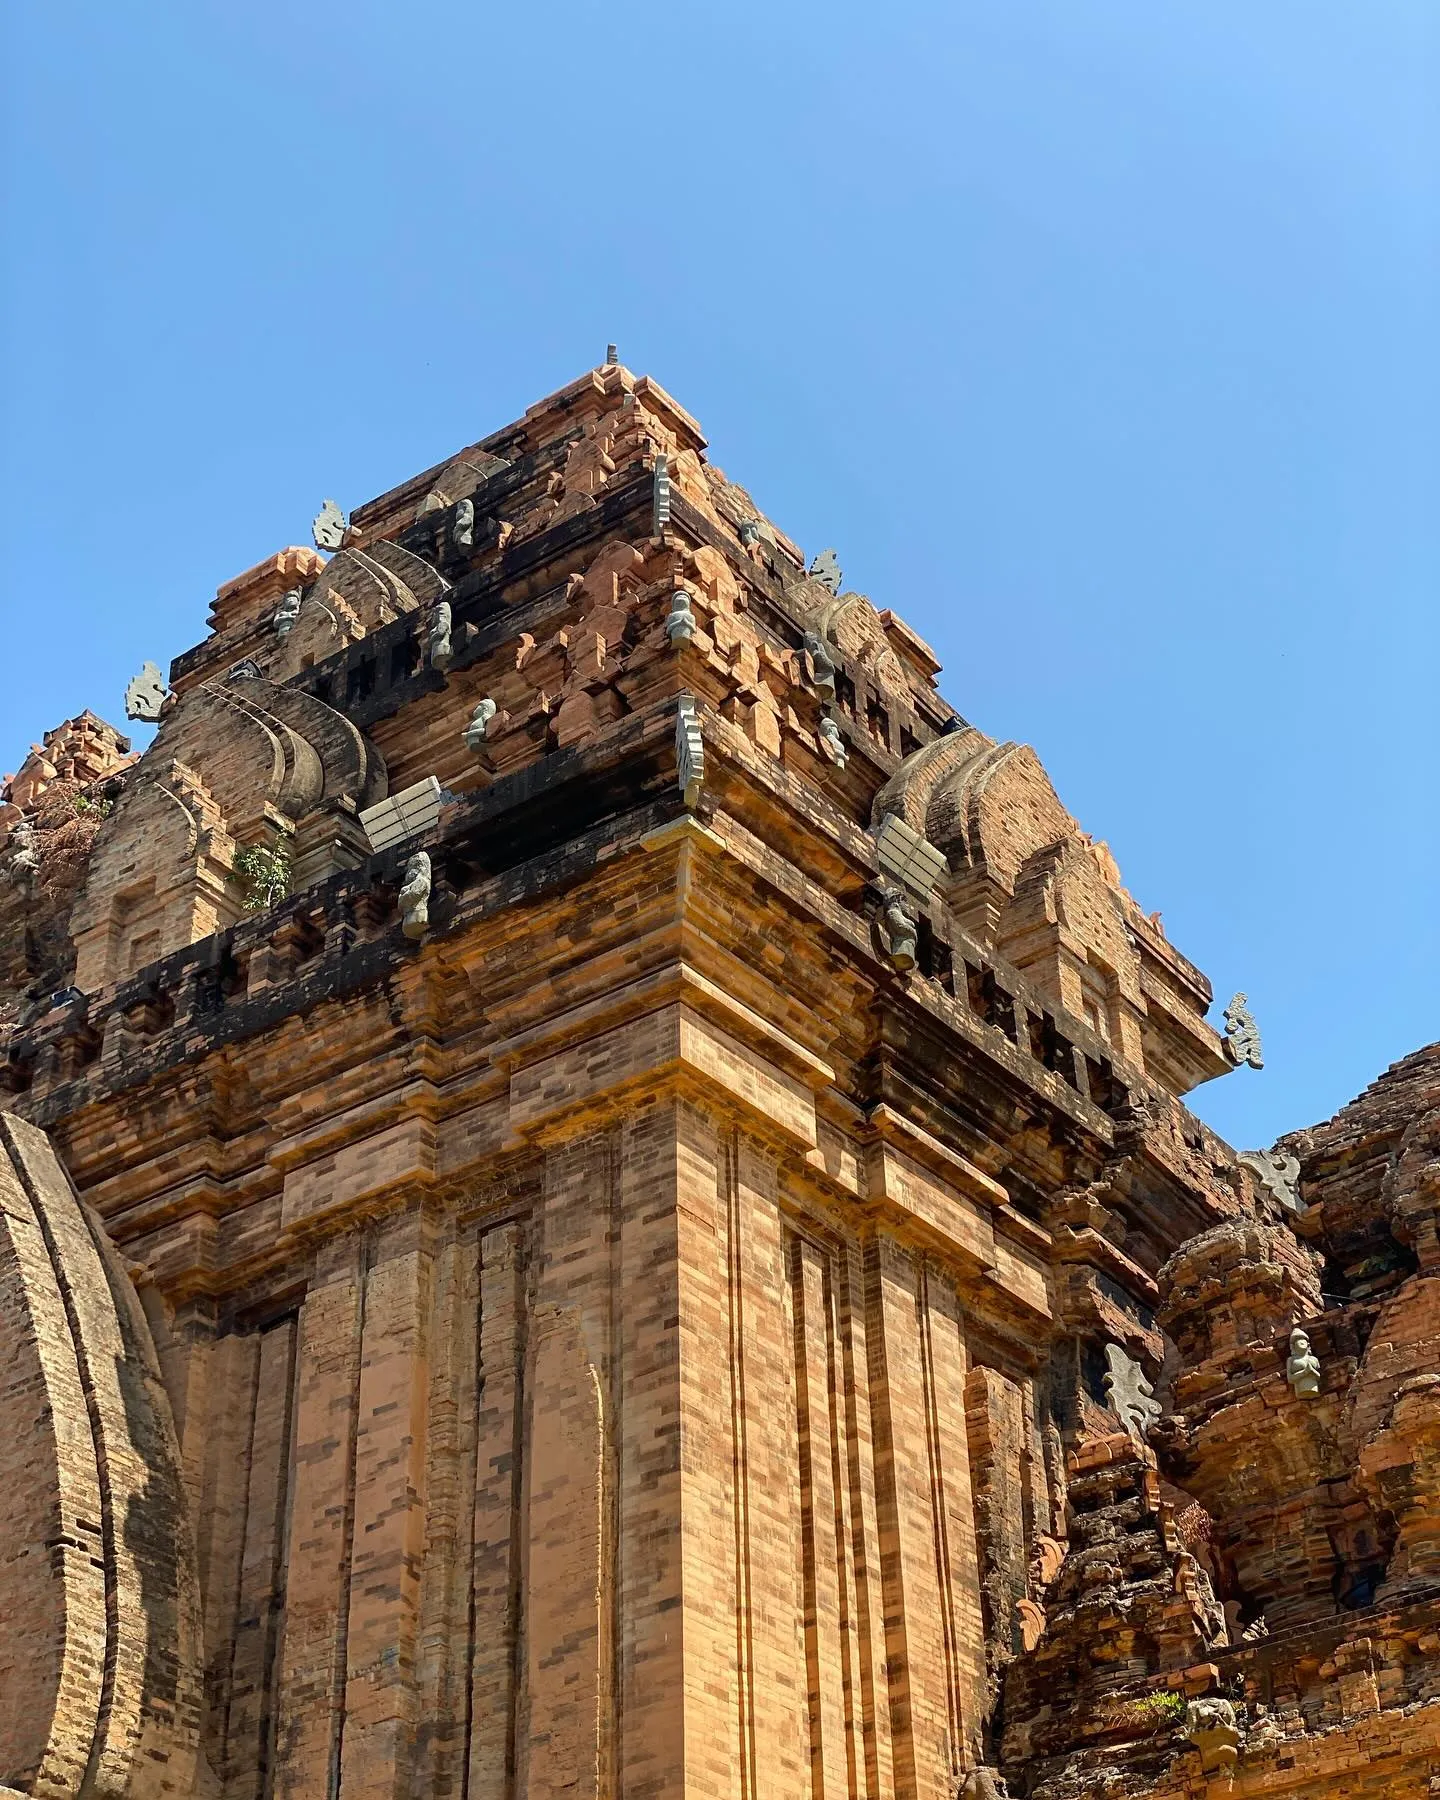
(670, 1262)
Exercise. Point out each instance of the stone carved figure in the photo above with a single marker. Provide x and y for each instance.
(983, 1784)
(1210, 1726)
(689, 750)
(749, 533)
(438, 626)
(826, 570)
(23, 863)
(680, 621)
(474, 733)
(415, 886)
(899, 928)
(1242, 1034)
(462, 532)
(831, 742)
(822, 664)
(1129, 1395)
(146, 695)
(328, 527)
(1302, 1369)
(287, 609)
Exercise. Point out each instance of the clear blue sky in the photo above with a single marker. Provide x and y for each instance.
(1102, 339)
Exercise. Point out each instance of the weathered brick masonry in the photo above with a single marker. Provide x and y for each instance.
(688, 1274)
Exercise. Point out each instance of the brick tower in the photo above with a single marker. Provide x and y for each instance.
(596, 1203)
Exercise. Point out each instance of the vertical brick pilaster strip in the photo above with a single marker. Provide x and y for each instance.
(707, 1461)
(389, 1537)
(313, 1658)
(826, 1623)
(957, 1558)
(261, 1593)
(770, 1480)
(920, 1698)
(650, 1755)
(443, 1664)
(234, 1375)
(878, 1777)
(494, 1624)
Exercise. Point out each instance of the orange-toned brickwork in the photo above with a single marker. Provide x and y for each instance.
(634, 1230)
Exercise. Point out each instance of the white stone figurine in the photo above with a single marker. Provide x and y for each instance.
(438, 650)
(475, 732)
(680, 621)
(415, 896)
(1302, 1371)
(328, 527)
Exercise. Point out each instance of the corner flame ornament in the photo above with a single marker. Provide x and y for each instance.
(1242, 1035)
(146, 695)
(689, 750)
(328, 527)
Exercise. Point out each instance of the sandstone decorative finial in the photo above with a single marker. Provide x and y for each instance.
(826, 570)
(1242, 1034)
(1302, 1370)
(831, 742)
(146, 695)
(438, 648)
(462, 531)
(1279, 1171)
(1129, 1394)
(328, 527)
(689, 750)
(287, 608)
(475, 731)
(612, 356)
(680, 623)
(662, 496)
(414, 896)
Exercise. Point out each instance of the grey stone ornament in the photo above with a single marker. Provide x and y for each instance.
(328, 527)
(146, 695)
(680, 621)
(287, 609)
(1128, 1394)
(1302, 1367)
(438, 626)
(689, 750)
(612, 355)
(898, 927)
(462, 530)
(831, 742)
(247, 669)
(475, 732)
(1242, 1034)
(1279, 1171)
(22, 863)
(826, 570)
(821, 664)
(414, 896)
(1211, 1727)
(662, 496)
(749, 533)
